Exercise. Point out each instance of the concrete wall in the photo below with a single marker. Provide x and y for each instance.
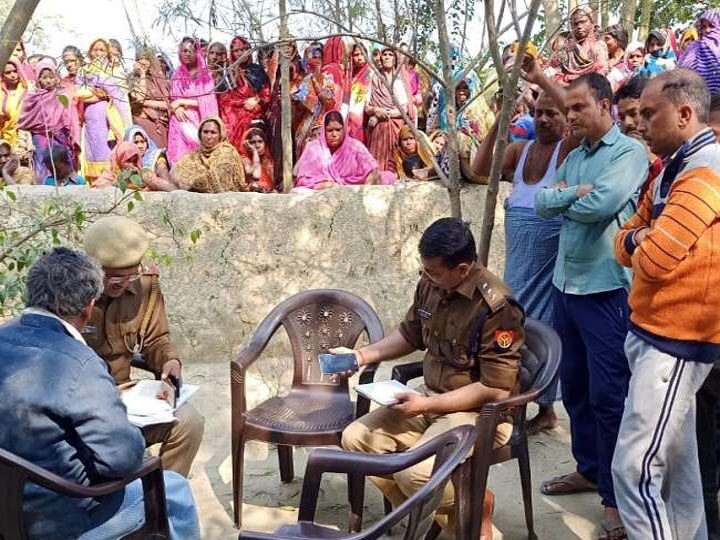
(256, 250)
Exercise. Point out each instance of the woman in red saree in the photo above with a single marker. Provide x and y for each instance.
(257, 161)
(384, 117)
(358, 92)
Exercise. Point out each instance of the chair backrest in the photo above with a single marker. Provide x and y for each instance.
(321, 319)
(450, 449)
(541, 357)
(13, 475)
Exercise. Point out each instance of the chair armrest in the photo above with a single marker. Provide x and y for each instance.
(499, 407)
(61, 486)
(407, 372)
(256, 535)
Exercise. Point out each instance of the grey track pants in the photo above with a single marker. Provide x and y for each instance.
(655, 465)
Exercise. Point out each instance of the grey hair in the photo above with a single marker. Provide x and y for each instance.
(686, 87)
(64, 282)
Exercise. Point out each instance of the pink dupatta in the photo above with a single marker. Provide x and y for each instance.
(349, 165)
(183, 136)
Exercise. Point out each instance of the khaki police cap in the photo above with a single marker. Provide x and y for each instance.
(116, 242)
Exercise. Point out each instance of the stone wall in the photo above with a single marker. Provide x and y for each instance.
(256, 250)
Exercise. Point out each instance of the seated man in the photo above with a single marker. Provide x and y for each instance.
(11, 172)
(61, 411)
(461, 371)
(129, 321)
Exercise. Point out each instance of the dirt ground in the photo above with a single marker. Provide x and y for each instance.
(269, 503)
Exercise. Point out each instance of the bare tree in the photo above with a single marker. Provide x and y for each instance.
(627, 15)
(645, 17)
(285, 115)
(553, 17)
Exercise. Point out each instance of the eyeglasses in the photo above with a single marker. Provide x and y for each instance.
(121, 280)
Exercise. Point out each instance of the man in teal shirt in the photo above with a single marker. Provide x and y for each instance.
(595, 193)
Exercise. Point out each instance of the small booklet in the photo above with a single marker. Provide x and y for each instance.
(384, 392)
(144, 408)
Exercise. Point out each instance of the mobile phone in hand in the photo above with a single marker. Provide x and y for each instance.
(337, 363)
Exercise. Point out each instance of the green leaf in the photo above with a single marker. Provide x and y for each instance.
(136, 179)
(122, 185)
(64, 101)
(11, 195)
(137, 196)
(130, 206)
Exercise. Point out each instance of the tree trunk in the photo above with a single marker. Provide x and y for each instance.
(572, 5)
(453, 144)
(285, 104)
(553, 18)
(14, 27)
(628, 9)
(605, 14)
(645, 16)
(380, 25)
(508, 105)
(594, 5)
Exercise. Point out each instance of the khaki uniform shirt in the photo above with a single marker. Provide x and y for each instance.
(114, 329)
(442, 324)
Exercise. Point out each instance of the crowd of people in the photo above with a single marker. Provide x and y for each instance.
(214, 123)
(611, 232)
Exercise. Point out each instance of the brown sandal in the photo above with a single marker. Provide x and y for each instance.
(567, 484)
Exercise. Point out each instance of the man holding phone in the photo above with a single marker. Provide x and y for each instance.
(129, 321)
(472, 331)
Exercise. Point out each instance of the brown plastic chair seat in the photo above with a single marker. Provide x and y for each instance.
(306, 530)
(302, 413)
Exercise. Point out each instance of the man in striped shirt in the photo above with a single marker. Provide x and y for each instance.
(671, 243)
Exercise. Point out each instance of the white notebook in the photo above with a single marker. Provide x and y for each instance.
(384, 392)
(144, 409)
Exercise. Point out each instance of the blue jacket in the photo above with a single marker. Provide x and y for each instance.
(61, 411)
(616, 166)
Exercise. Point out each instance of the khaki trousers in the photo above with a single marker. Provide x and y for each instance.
(384, 431)
(182, 443)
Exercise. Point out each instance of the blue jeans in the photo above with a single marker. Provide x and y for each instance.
(594, 375)
(182, 514)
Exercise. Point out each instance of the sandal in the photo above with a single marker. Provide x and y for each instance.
(567, 484)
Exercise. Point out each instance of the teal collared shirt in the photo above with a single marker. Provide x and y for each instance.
(617, 166)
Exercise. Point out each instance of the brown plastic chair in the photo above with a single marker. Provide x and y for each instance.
(450, 450)
(15, 472)
(315, 411)
(539, 367)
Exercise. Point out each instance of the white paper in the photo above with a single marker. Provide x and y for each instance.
(144, 409)
(384, 392)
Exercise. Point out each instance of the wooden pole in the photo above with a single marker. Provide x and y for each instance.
(14, 27)
(286, 105)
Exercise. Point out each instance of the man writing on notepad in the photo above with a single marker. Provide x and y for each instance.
(129, 320)
(472, 331)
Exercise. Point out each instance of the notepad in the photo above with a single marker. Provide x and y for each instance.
(144, 409)
(384, 392)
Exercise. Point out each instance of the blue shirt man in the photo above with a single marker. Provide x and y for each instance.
(595, 193)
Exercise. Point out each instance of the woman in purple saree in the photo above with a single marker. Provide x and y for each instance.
(333, 159)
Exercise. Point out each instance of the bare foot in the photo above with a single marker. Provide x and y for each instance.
(545, 420)
(612, 525)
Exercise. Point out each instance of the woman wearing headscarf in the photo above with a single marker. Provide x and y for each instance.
(73, 61)
(583, 52)
(317, 93)
(687, 37)
(335, 64)
(659, 55)
(50, 115)
(12, 90)
(27, 72)
(634, 60)
(384, 117)
(333, 159)
(150, 97)
(106, 108)
(257, 161)
(703, 55)
(217, 62)
(358, 92)
(215, 167)
(413, 160)
(192, 100)
(246, 103)
(154, 160)
(126, 164)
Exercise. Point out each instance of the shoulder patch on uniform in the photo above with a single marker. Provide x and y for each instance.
(504, 339)
(494, 298)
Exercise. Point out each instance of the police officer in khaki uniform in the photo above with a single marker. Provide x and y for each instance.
(471, 330)
(129, 320)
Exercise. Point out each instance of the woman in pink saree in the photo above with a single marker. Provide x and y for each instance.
(192, 99)
(333, 159)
